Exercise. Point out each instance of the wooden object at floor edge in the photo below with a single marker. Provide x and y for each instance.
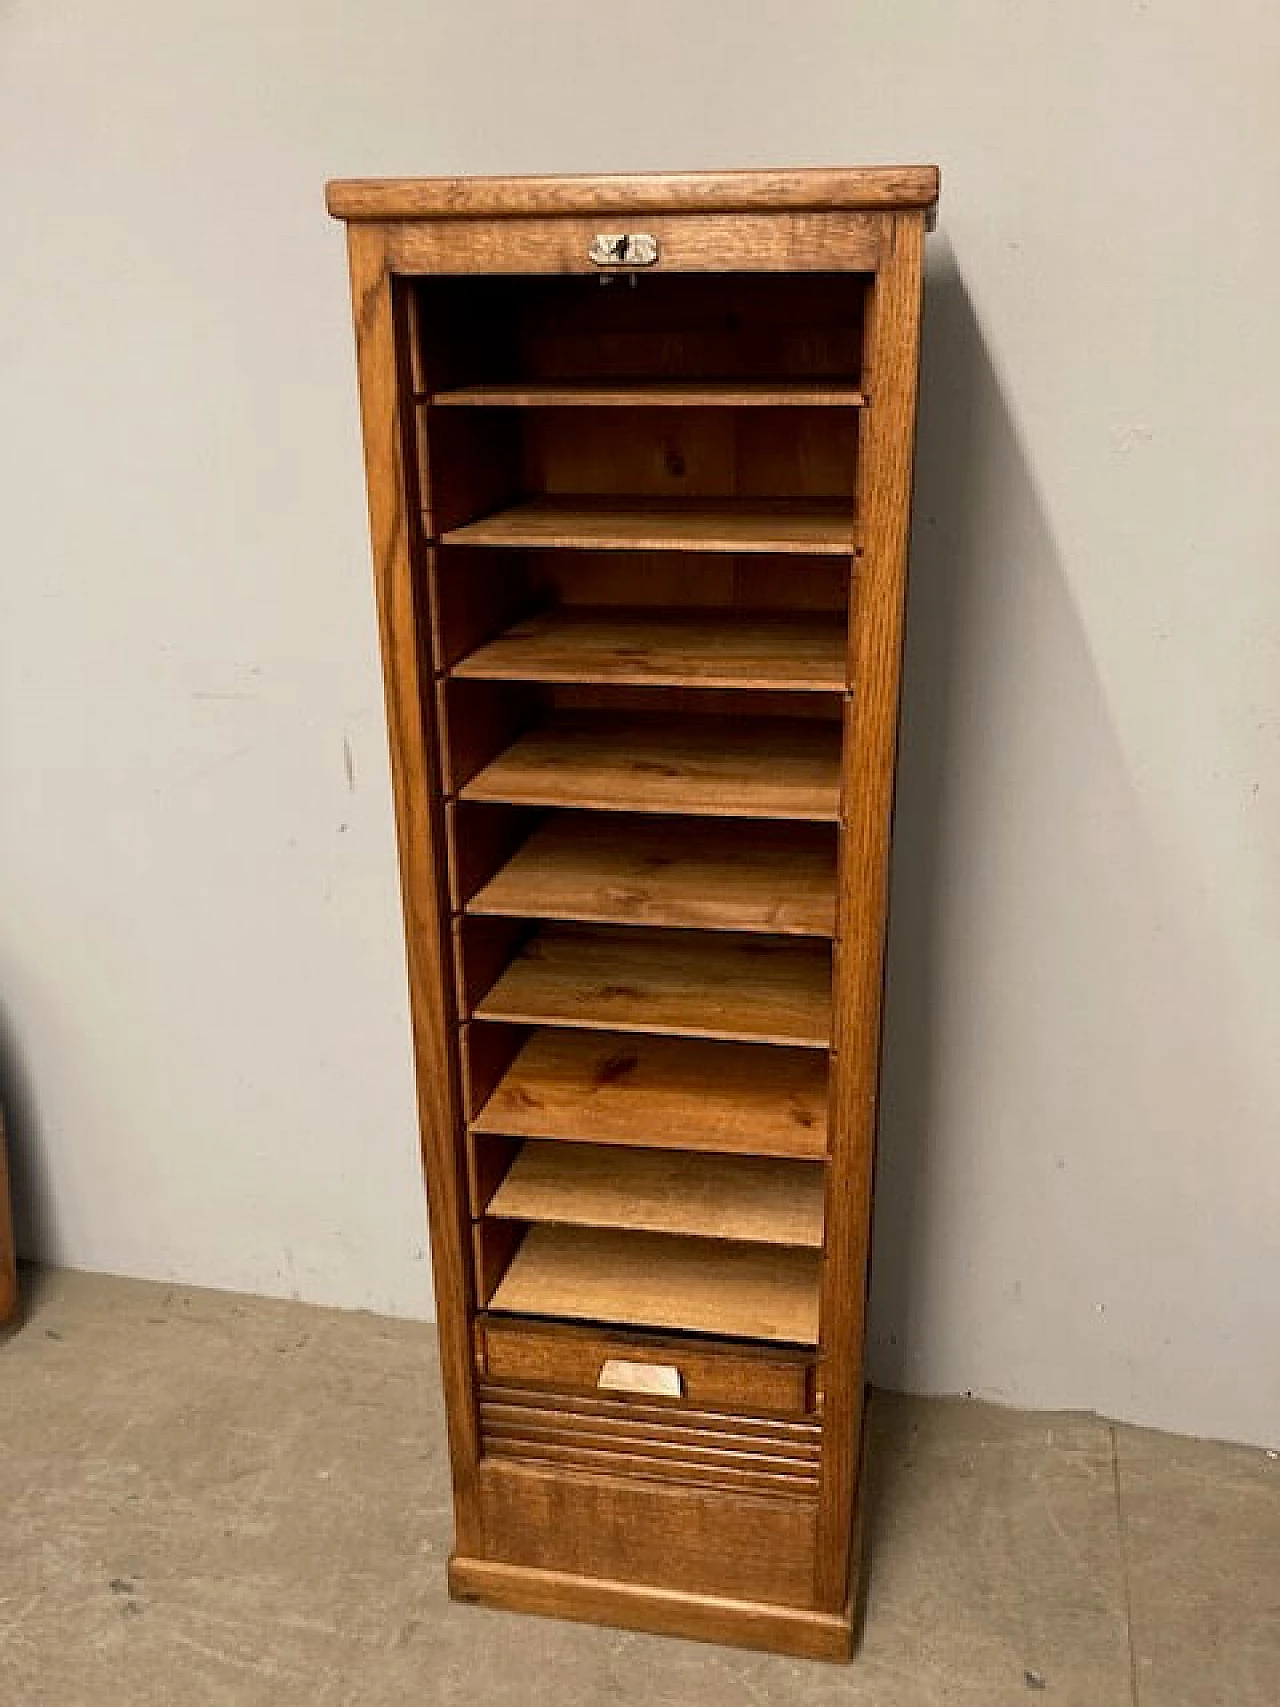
(8, 1255)
(536, 443)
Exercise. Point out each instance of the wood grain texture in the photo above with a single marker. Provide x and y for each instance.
(783, 189)
(754, 1199)
(664, 1092)
(613, 1412)
(474, 596)
(779, 526)
(735, 1380)
(488, 1159)
(708, 874)
(419, 834)
(8, 1253)
(483, 949)
(783, 471)
(469, 463)
(784, 650)
(494, 1244)
(672, 1445)
(476, 724)
(680, 1537)
(671, 1612)
(481, 841)
(707, 767)
(653, 394)
(653, 1461)
(661, 579)
(871, 730)
(670, 327)
(687, 243)
(676, 984)
(486, 1054)
(655, 1280)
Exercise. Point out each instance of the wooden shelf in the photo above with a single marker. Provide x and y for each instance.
(663, 1093)
(758, 1200)
(715, 767)
(682, 984)
(669, 648)
(655, 394)
(701, 873)
(805, 526)
(655, 1280)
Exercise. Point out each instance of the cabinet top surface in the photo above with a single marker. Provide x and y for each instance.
(810, 189)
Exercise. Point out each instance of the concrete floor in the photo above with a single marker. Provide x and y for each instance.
(217, 1499)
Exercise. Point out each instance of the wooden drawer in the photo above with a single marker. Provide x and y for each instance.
(652, 1368)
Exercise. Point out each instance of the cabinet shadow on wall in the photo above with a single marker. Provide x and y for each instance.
(977, 521)
(29, 1188)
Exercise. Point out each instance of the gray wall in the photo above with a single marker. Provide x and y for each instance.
(200, 968)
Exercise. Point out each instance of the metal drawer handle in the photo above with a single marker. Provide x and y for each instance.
(623, 249)
(620, 1376)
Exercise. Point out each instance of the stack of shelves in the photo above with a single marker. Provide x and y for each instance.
(639, 549)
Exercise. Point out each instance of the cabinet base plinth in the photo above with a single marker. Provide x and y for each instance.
(634, 1606)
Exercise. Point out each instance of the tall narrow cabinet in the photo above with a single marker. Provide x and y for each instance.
(639, 468)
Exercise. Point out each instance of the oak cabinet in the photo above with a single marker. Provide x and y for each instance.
(639, 460)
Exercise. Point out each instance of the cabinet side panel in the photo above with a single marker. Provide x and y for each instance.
(871, 730)
(402, 620)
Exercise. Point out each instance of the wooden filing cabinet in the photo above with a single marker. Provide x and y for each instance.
(639, 467)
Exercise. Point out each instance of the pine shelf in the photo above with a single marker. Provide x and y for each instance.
(663, 1092)
(716, 767)
(675, 984)
(753, 1199)
(654, 394)
(778, 650)
(709, 874)
(656, 1280)
(784, 526)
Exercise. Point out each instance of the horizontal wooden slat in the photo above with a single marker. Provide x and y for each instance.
(694, 243)
(672, 648)
(763, 1624)
(789, 189)
(580, 1457)
(657, 1281)
(658, 1413)
(813, 526)
(702, 873)
(671, 1429)
(750, 1198)
(714, 767)
(655, 394)
(679, 984)
(674, 1456)
(663, 1092)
